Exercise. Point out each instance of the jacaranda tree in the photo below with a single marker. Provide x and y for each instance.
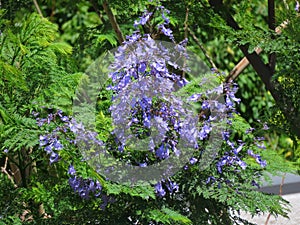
(145, 135)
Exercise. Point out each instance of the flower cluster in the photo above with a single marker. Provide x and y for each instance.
(144, 105)
(257, 157)
(50, 142)
(232, 156)
(84, 187)
(163, 186)
(162, 27)
(75, 134)
(144, 99)
(235, 151)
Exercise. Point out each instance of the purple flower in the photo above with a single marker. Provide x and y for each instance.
(50, 118)
(219, 90)
(242, 164)
(133, 38)
(159, 189)
(205, 105)
(74, 182)
(143, 164)
(229, 103)
(221, 163)
(231, 144)
(143, 19)
(159, 66)
(166, 31)
(53, 157)
(225, 135)
(84, 193)
(172, 186)
(262, 163)
(64, 118)
(57, 145)
(85, 187)
(248, 131)
(297, 7)
(228, 161)
(238, 149)
(167, 20)
(204, 132)
(142, 67)
(35, 114)
(262, 146)
(162, 152)
(48, 149)
(193, 160)
(254, 183)
(195, 97)
(265, 126)
(41, 122)
(71, 170)
(75, 127)
(259, 138)
(5, 150)
(181, 82)
(210, 179)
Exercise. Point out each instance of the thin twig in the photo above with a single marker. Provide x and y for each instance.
(203, 50)
(280, 194)
(268, 218)
(186, 23)
(113, 21)
(186, 26)
(38, 8)
(281, 184)
(96, 8)
(3, 170)
(272, 26)
(286, 5)
(52, 10)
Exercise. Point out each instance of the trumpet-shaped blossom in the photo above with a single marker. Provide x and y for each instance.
(84, 187)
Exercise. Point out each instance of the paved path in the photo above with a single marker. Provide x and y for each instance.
(294, 215)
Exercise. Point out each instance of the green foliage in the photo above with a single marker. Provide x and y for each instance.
(144, 191)
(33, 75)
(168, 216)
(41, 64)
(10, 202)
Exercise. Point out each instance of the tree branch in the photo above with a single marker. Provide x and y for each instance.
(280, 194)
(96, 8)
(263, 71)
(238, 69)
(186, 27)
(271, 21)
(113, 21)
(3, 170)
(37, 8)
(211, 62)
